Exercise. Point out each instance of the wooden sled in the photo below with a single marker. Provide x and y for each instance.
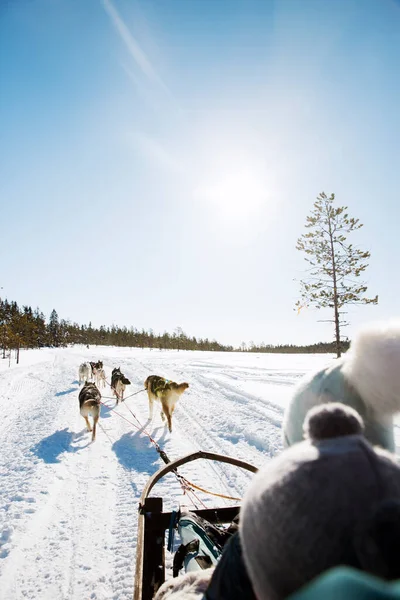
(153, 522)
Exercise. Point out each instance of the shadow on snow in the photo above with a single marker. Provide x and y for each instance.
(50, 447)
(135, 451)
(69, 391)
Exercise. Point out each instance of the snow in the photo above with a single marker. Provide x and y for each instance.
(68, 508)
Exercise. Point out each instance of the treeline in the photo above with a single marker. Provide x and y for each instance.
(22, 327)
(319, 348)
(27, 328)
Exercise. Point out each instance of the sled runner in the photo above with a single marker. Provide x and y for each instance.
(202, 542)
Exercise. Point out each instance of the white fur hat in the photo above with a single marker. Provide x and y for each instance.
(373, 365)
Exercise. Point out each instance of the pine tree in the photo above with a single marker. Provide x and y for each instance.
(54, 328)
(335, 265)
(40, 325)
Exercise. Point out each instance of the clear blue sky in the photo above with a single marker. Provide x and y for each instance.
(158, 158)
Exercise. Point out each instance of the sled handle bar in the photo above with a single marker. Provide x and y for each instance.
(142, 589)
(189, 458)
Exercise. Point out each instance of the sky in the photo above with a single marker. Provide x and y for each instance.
(158, 158)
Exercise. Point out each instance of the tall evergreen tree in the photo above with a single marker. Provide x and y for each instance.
(335, 265)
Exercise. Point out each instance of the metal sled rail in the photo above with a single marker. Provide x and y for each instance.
(153, 522)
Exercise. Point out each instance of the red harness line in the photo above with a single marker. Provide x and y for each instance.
(187, 486)
(119, 397)
(184, 483)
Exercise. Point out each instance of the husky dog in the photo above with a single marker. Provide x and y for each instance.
(118, 383)
(89, 404)
(100, 378)
(167, 392)
(85, 372)
(367, 378)
(96, 366)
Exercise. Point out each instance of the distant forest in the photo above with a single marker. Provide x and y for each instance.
(22, 327)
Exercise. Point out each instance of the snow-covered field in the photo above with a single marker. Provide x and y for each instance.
(68, 508)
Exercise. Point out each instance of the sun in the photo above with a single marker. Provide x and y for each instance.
(234, 195)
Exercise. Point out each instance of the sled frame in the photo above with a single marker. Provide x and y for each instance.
(153, 522)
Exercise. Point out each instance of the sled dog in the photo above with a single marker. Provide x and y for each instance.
(96, 366)
(85, 372)
(89, 404)
(118, 384)
(167, 392)
(100, 378)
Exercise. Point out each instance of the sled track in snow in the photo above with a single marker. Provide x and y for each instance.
(34, 532)
(212, 396)
(25, 420)
(202, 441)
(124, 530)
(231, 444)
(203, 438)
(68, 508)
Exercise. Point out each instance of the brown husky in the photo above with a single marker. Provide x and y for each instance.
(89, 404)
(167, 392)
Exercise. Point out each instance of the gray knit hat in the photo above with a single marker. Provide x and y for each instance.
(330, 500)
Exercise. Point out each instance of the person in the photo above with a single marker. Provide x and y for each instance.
(367, 378)
(330, 500)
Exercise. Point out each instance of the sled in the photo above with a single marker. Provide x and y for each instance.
(153, 523)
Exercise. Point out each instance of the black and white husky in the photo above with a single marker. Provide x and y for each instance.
(118, 383)
(96, 366)
(89, 404)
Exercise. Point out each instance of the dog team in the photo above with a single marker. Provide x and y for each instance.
(158, 389)
(366, 379)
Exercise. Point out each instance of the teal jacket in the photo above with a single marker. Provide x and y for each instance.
(344, 583)
(330, 385)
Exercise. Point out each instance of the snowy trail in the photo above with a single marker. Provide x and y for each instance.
(68, 508)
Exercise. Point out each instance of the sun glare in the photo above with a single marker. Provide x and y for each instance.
(234, 196)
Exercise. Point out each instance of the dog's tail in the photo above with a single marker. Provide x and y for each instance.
(93, 404)
(147, 382)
